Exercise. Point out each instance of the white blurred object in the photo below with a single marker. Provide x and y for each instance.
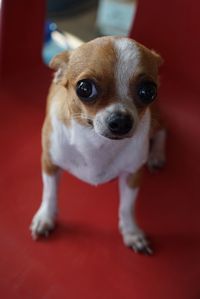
(115, 17)
(59, 41)
(64, 38)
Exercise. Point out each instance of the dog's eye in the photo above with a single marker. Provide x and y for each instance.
(147, 92)
(86, 90)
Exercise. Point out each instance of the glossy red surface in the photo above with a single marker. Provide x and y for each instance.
(85, 257)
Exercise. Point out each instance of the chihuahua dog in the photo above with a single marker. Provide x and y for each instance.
(98, 127)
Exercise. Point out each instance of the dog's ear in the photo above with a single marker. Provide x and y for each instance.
(59, 64)
(158, 58)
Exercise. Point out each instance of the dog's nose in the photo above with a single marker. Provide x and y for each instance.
(120, 123)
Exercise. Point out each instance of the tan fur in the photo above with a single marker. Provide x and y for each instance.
(134, 180)
(150, 62)
(58, 60)
(47, 165)
(84, 64)
(81, 66)
(157, 122)
(55, 94)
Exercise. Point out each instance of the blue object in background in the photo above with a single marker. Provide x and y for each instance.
(51, 48)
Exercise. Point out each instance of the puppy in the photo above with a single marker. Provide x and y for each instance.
(98, 126)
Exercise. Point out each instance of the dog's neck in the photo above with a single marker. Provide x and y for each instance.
(94, 158)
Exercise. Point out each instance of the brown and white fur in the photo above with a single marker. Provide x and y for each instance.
(76, 137)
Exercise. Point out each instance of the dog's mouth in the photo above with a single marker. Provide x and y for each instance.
(90, 122)
(115, 137)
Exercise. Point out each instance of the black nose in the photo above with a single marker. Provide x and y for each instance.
(120, 123)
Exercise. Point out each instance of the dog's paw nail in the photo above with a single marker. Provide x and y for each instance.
(34, 236)
(138, 242)
(42, 231)
(155, 164)
(41, 225)
(46, 233)
(143, 250)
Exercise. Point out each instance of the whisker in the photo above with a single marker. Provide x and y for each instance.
(81, 115)
(77, 115)
(84, 116)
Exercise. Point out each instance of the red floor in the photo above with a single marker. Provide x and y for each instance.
(85, 257)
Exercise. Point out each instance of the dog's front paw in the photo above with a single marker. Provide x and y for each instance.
(156, 161)
(138, 242)
(42, 224)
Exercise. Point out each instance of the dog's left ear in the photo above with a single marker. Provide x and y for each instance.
(158, 58)
(59, 64)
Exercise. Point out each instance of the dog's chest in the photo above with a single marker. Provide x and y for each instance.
(96, 159)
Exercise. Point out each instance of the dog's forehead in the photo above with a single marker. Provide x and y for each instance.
(128, 56)
(127, 66)
(107, 55)
(96, 56)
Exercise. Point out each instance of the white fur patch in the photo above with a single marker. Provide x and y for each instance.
(128, 196)
(93, 158)
(44, 219)
(128, 59)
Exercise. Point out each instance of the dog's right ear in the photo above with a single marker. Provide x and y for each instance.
(59, 64)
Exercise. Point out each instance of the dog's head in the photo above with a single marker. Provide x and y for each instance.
(109, 83)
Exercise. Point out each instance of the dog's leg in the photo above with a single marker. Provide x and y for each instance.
(133, 236)
(44, 220)
(157, 157)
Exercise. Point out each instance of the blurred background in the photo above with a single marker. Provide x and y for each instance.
(71, 22)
